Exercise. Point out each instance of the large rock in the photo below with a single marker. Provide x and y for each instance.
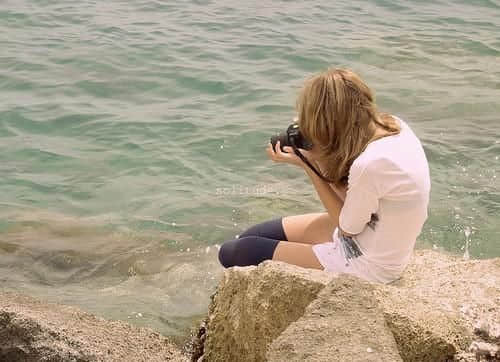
(422, 331)
(253, 305)
(442, 309)
(343, 323)
(31, 330)
(453, 295)
(470, 288)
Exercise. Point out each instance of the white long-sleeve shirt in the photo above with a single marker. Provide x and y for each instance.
(385, 208)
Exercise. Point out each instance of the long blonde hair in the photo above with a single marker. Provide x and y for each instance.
(337, 113)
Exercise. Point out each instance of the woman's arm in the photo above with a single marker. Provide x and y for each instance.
(331, 196)
(340, 191)
(328, 195)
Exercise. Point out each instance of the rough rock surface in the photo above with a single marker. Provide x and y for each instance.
(422, 331)
(442, 309)
(466, 291)
(343, 323)
(31, 330)
(470, 288)
(253, 305)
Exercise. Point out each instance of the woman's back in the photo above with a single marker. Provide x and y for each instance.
(376, 222)
(388, 188)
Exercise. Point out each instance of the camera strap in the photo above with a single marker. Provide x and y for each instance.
(306, 161)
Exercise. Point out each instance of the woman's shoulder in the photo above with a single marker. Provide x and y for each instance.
(398, 152)
(388, 147)
(370, 164)
(383, 153)
(376, 154)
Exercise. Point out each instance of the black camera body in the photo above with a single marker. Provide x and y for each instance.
(291, 137)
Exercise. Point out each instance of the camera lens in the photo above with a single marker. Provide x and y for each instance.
(291, 136)
(283, 138)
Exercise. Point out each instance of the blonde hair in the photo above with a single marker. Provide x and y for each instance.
(337, 113)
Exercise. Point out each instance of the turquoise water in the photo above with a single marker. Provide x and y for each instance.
(132, 134)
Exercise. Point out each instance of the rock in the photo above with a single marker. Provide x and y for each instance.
(484, 349)
(469, 290)
(31, 330)
(343, 323)
(442, 309)
(422, 332)
(196, 344)
(253, 305)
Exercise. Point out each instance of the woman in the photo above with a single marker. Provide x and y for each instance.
(376, 198)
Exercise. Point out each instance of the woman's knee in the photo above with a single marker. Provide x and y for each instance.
(226, 253)
(248, 250)
(272, 229)
(311, 228)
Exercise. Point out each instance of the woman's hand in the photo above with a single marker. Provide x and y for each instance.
(288, 156)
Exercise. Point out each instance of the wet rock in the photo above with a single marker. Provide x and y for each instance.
(196, 344)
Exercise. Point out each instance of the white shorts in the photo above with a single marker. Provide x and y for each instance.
(331, 257)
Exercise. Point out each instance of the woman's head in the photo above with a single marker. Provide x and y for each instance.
(337, 113)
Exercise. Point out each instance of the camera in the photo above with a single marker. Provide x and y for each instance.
(291, 137)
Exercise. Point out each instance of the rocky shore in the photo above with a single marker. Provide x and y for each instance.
(442, 309)
(31, 330)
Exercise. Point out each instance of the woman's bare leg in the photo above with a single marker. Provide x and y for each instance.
(297, 254)
(302, 232)
(313, 228)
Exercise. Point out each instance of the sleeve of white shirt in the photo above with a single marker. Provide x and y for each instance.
(361, 200)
